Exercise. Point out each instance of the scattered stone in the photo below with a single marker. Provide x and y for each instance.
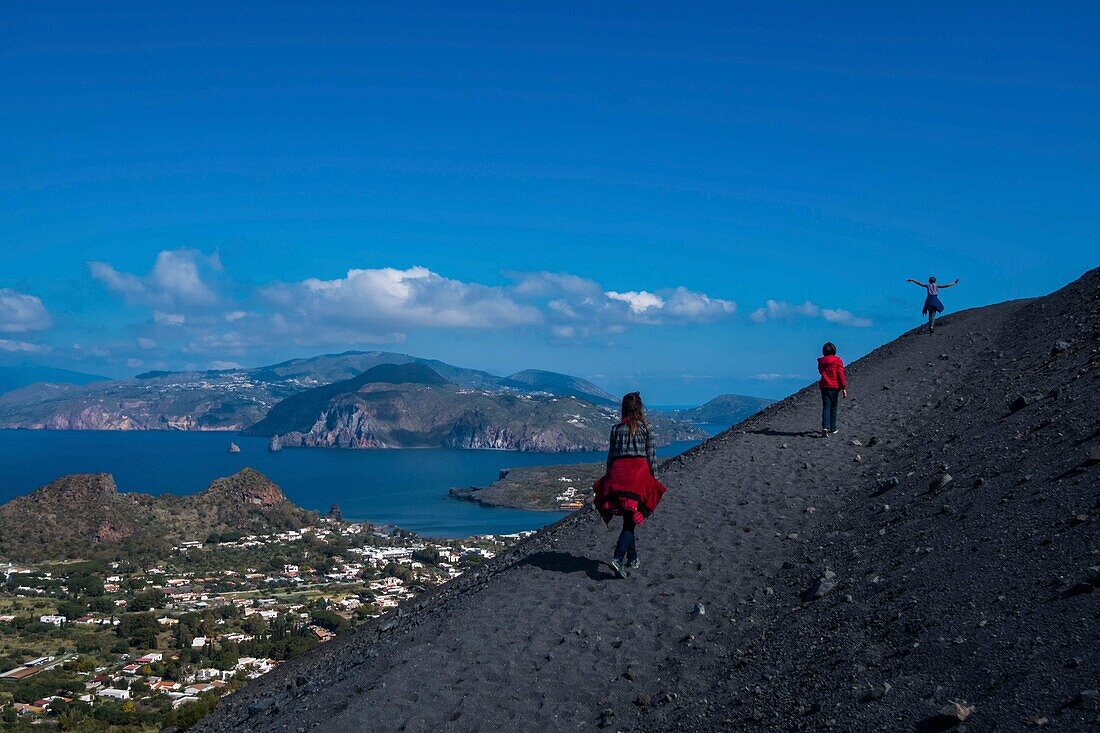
(792, 535)
(824, 585)
(877, 692)
(857, 442)
(873, 441)
(849, 599)
(1036, 720)
(941, 482)
(957, 710)
(1085, 696)
(260, 706)
(1093, 575)
(1093, 457)
(858, 458)
(699, 610)
(1020, 403)
(1060, 346)
(643, 700)
(605, 718)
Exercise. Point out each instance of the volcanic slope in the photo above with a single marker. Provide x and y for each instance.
(974, 588)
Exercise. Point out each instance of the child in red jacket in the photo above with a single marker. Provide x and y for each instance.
(833, 384)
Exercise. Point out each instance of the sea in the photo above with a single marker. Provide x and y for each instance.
(403, 488)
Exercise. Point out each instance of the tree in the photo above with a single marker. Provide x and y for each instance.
(71, 609)
(255, 625)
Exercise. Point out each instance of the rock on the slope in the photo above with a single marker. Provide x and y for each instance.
(824, 585)
(941, 482)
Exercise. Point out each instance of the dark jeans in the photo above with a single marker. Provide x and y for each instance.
(829, 403)
(625, 547)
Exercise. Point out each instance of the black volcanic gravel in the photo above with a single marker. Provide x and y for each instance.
(786, 585)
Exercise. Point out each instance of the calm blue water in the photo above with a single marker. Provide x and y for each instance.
(407, 488)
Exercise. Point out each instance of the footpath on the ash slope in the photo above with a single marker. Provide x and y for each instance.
(941, 549)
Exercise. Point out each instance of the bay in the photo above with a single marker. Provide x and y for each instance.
(405, 488)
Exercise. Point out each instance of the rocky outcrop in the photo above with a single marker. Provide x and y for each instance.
(84, 515)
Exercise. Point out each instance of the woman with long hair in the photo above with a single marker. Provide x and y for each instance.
(629, 488)
(932, 304)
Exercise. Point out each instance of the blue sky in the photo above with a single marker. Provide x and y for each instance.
(613, 190)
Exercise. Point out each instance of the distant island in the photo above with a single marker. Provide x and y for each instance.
(537, 488)
(355, 399)
(728, 409)
(412, 405)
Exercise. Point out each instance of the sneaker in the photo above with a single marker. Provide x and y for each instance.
(634, 564)
(824, 433)
(836, 431)
(620, 570)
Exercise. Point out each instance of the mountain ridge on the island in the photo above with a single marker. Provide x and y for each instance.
(16, 376)
(410, 405)
(85, 515)
(233, 399)
(725, 408)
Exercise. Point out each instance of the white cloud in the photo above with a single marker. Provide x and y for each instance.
(169, 319)
(686, 305)
(20, 313)
(22, 346)
(378, 306)
(180, 278)
(845, 318)
(773, 376)
(782, 310)
(370, 304)
(639, 301)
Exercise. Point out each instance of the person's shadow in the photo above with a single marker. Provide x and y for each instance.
(782, 434)
(564, 562)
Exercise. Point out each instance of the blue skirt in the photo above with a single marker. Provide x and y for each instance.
(932, 303)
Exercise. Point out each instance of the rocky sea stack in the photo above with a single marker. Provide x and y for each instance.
(785, 585)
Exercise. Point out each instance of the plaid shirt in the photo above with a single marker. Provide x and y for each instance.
(638, 445)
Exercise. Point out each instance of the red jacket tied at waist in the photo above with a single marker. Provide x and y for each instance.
(832, 372)
(628, 489)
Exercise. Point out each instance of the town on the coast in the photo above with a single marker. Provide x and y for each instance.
(111, 645)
